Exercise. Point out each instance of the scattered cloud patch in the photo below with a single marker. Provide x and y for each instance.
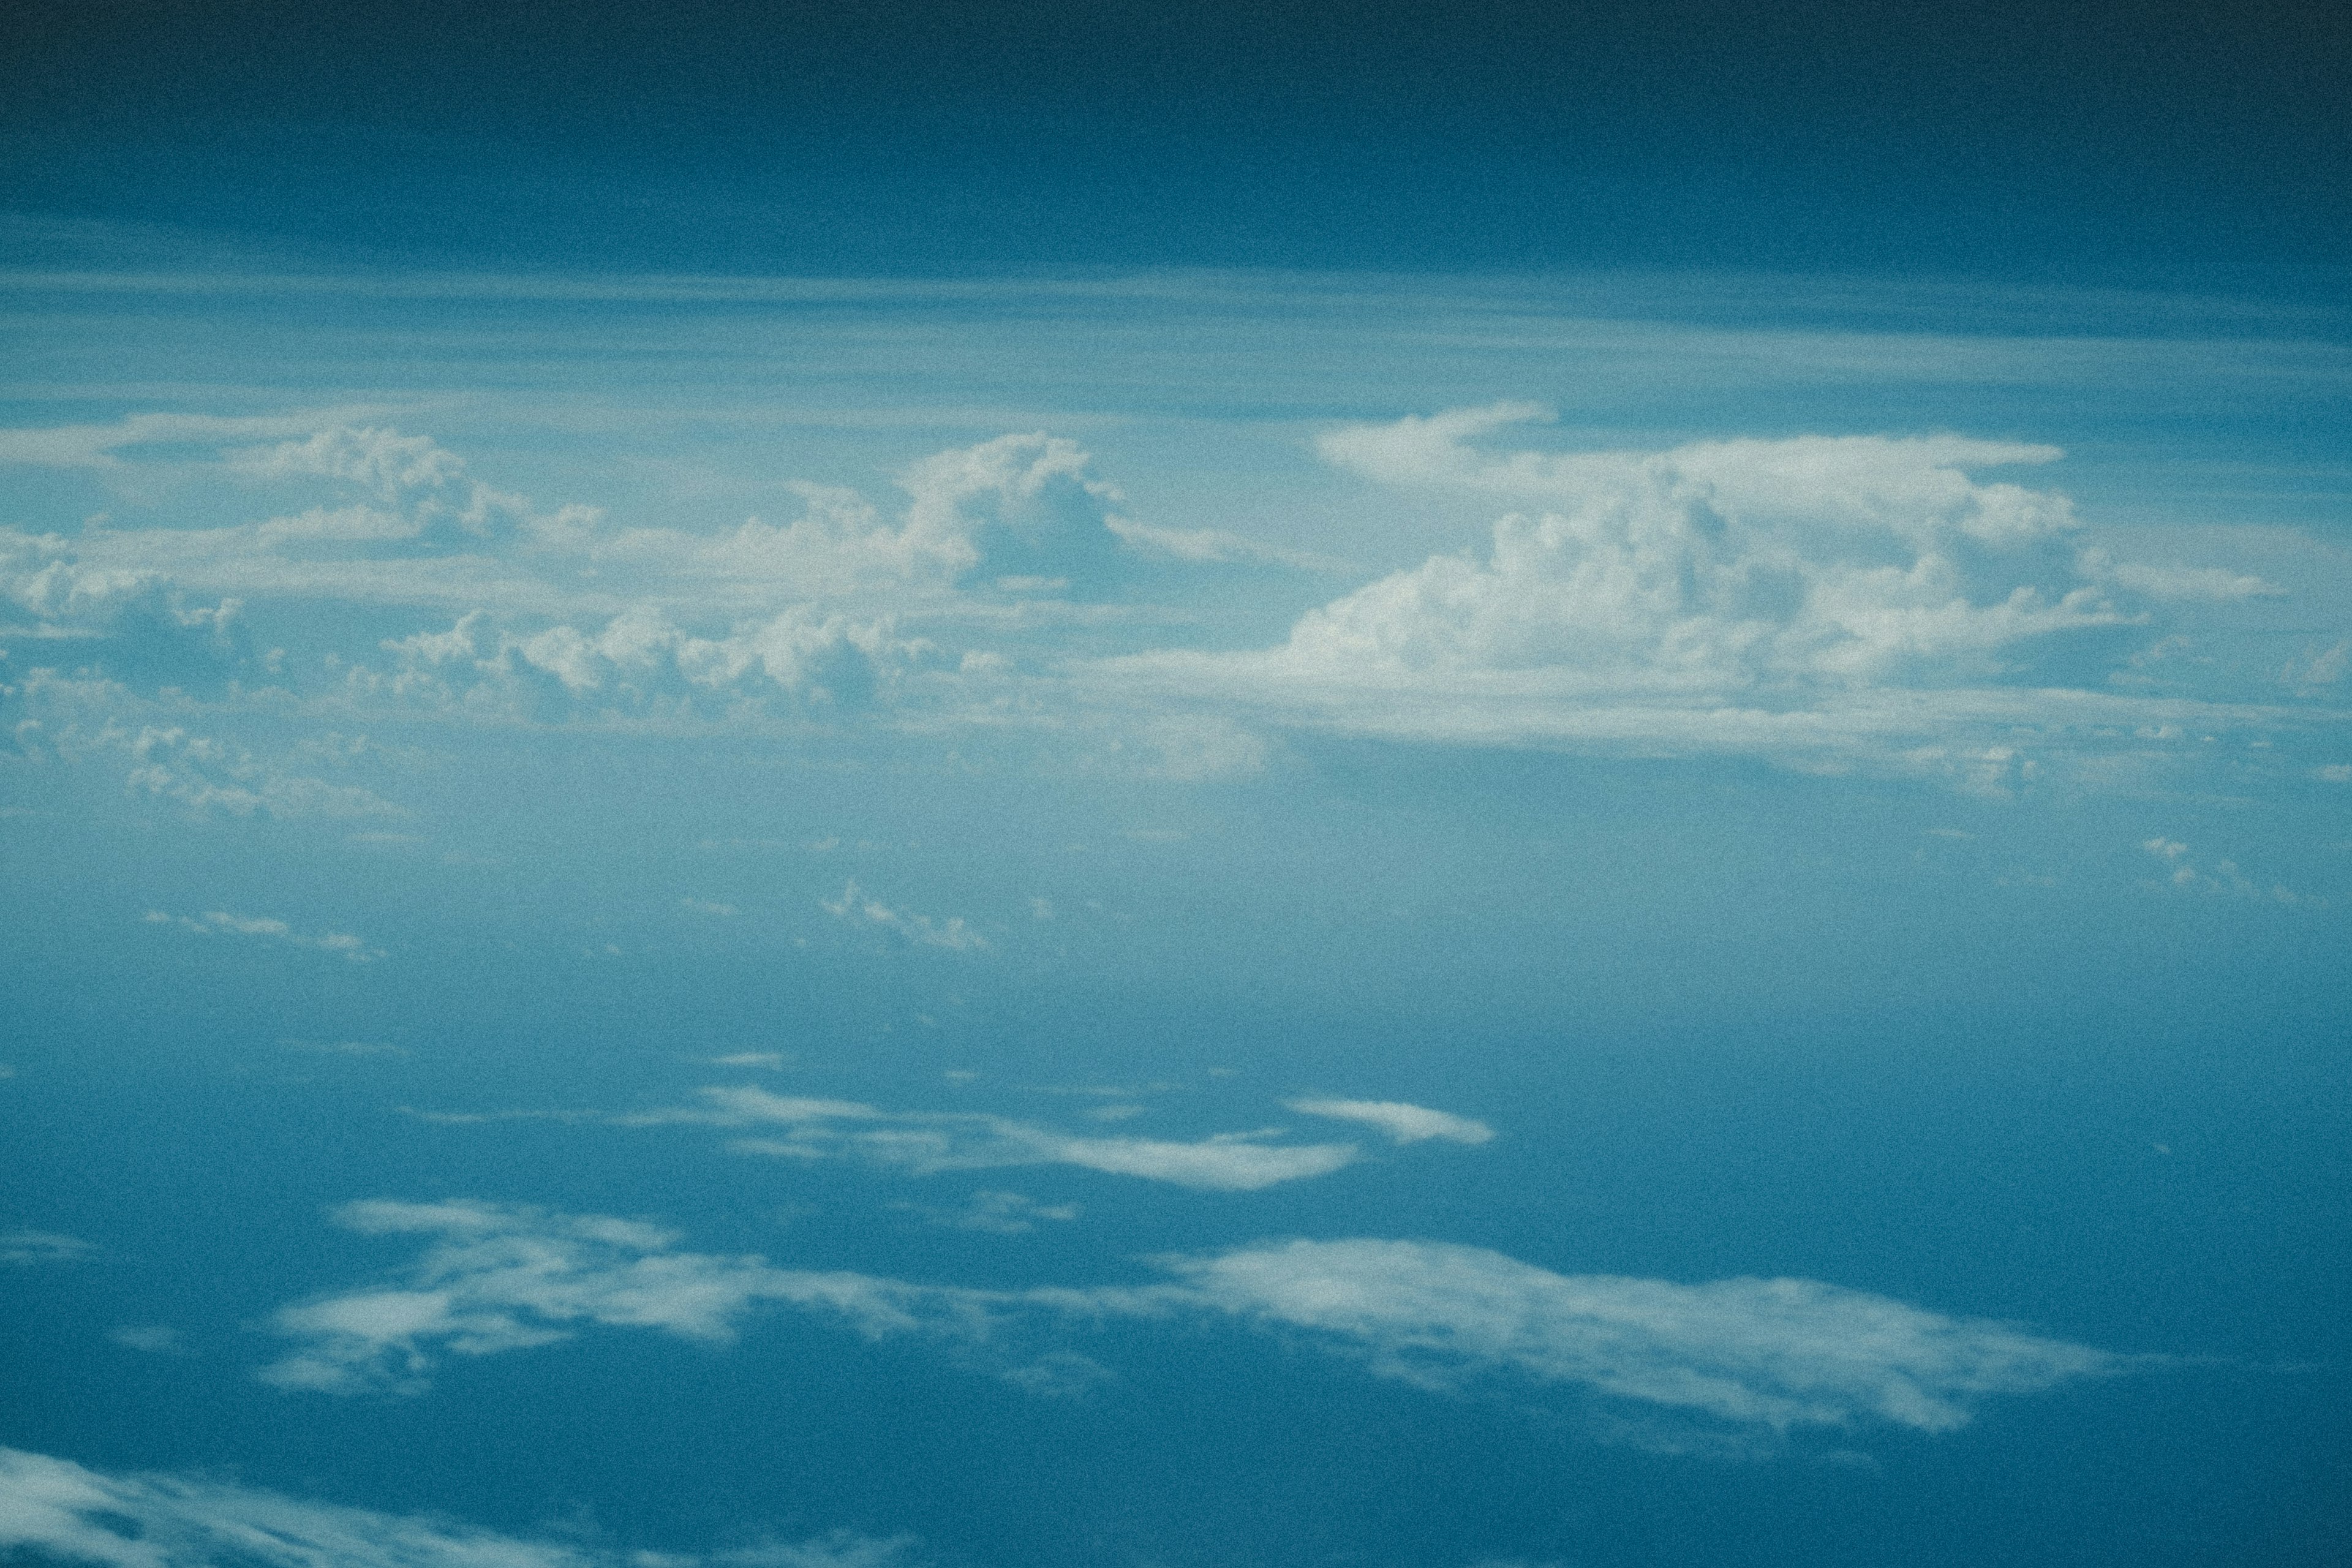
(220, 922)
(2223, 878)
(57, 1508)
(860, 908)
(1403, 1123)
(155, 1339)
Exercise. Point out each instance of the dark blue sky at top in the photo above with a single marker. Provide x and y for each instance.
(2107, 143)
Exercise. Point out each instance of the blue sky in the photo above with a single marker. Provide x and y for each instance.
(1081, 787)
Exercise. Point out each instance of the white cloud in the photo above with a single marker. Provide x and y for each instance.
(1403, 1123)
(130, 625)
(1819, 598)
(42, 1246)
(221, 923)
(928, 1142)
(58, 1508)
(2216, 584)
(2224, 877)
(1768, 1354)
(1849, 561)
(499, 1278)
(863, 909)
(641, 662)
(1765, 1357)
(998, 1213)
(380, 460)
(210, 777)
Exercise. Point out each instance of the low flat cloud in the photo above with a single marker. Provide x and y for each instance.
(927, 1142)
(1403, 1123)
(61, 1510)
(42, 1246)
(1754, 1359)
(221, 923)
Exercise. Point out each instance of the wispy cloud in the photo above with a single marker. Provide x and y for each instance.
(221, 923)
(860, 908)
(1762, 1357)
(42, 1246)
(1403, 1123)
(929, 1141)
(59, 1509)
(1769, 1354)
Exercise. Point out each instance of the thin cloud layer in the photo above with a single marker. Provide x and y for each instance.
(1403, 1123)
(61, 1510)
(928, 1142)
(221, 923)
(1763, 1357)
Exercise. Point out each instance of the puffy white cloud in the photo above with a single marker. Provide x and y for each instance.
(1852, 560)
(1403, 1123)
(220, 922)
(59, 1509)
(1770, 1355)
(1764, 1357)
(134, 625)
(640, 662)
(928, 1142)
(377, 459)
(1827, 599)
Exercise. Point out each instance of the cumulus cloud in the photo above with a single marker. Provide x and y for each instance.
(928, 1142)
(1403, 1123)
(860, 908)
(1813, 594)
(640, 662)
(134, 625)
(221, 923)
(59, 1509)
(1857, 560)
(1761, 1357)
